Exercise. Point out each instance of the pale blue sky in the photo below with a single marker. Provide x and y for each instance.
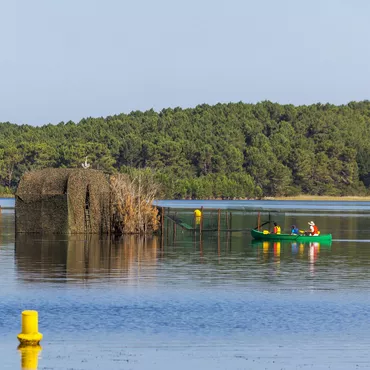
(68, 59)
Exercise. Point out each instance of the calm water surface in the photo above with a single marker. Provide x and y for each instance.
(180, 301)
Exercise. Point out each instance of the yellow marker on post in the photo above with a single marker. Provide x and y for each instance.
(198, 216)
(30, 328)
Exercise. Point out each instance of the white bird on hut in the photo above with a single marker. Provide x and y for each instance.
(85, 165)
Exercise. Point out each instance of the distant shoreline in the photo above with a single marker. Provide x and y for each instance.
(322, 198)
(297, 197)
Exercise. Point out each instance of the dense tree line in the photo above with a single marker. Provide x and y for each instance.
(226, 150)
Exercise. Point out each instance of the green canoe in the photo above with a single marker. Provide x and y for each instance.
(300, 238)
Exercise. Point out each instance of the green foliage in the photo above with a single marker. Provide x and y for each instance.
(5, 191)
(221, 151)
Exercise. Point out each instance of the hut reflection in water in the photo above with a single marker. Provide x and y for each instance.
(63, 258)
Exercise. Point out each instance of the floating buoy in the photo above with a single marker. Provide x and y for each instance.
(30, 328)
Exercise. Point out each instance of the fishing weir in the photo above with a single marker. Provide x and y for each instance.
(207, 220)
(215, 223)
(179, 224)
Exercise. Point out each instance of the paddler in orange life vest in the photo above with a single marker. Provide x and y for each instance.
(313, 230)
(277, 229)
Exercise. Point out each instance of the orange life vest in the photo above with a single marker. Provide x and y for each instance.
(315, 230)
(277, 229)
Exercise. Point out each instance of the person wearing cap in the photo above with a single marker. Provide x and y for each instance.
(313, 230)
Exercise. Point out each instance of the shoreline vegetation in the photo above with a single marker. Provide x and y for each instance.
(222, 151)
(303, 197)
(306, 197)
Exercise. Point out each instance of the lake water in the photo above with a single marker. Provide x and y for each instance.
(216, 302)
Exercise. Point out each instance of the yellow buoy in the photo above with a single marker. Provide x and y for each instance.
(29, 356)
(30, 328)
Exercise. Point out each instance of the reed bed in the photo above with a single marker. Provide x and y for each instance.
(132, 199)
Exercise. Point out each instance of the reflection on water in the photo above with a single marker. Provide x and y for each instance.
(211, 301)
(69, 258)
(228, 258)
(29, 357)
(293, 249)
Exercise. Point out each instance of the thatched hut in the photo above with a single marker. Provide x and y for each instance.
(62, 200)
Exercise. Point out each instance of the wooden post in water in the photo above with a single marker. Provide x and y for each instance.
(219, 244)
(174, 228)
(162, 240)
(162, 228)
(201, 222)
(219, 221)
(228, 229)
(218, 231)
(168, 230)
(162, 220)
(259, 221)
(226, 220)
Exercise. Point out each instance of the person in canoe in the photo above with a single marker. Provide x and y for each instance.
(313, 230)
(294, 230)
(277, 229)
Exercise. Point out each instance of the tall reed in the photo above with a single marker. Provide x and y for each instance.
(133, 211)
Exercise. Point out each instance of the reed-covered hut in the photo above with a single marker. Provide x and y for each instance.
(61, 200)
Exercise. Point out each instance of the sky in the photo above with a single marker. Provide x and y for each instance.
(64, 60)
